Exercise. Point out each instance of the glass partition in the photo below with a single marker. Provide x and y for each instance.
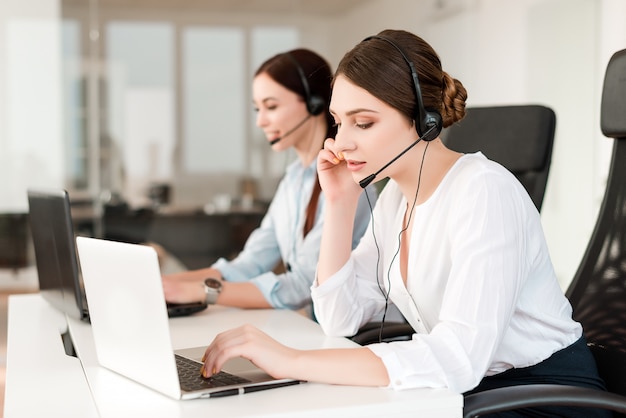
(164, 99)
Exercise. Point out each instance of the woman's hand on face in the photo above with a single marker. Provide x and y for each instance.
(335, 179)
(251, 343)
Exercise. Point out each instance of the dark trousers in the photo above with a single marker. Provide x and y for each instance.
(573, 365)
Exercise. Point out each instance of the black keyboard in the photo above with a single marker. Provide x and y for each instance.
(191, 379)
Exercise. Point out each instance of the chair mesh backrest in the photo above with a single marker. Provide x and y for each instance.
(518, 137)
(598, 290)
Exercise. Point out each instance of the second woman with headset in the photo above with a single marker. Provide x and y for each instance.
(291, 92)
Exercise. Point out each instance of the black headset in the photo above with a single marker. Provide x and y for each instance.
(425, 119)
(315, 104)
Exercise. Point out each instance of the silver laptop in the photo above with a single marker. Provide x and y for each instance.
(131, 330)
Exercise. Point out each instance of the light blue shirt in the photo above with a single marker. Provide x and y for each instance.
(280, 237)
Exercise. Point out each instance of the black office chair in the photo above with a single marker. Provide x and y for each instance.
(598, 290)
(521, 138)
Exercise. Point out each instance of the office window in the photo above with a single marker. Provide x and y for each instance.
(173, 106)
(74, 105)
(267, 41)
(138, 122)
(214, 100)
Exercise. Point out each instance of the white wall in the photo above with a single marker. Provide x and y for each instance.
(551, 52)
(31, 149)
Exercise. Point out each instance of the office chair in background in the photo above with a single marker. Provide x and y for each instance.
(598, 289)
(519, 137)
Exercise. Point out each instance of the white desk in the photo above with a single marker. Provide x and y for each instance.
(40, 379)
(64, 388)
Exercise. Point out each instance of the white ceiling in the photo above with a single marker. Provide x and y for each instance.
(306, 7)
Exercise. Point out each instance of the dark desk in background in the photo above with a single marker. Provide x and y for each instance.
(194, 237)
(14, 240)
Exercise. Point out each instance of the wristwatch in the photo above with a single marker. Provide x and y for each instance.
(212, 289)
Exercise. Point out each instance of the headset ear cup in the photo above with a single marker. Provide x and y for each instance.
(425, 119)
(430, 119)
(315, 105)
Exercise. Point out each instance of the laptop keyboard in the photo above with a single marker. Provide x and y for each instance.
(191, 379)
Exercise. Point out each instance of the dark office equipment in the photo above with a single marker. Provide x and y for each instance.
(13, 240)
(598, 290)
(195, 238)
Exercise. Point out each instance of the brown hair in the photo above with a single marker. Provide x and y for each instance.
(378, 68)
(283, 70)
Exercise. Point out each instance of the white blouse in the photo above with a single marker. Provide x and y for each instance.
(481, 291)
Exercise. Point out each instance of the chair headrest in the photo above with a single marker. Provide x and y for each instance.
(613, 107)
(519, 137)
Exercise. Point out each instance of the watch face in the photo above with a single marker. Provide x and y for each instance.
(213, 283)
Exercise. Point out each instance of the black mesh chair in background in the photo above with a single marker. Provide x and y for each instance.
(521, 138)
(598, 289)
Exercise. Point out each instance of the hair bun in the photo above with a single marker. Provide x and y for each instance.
(453, 97)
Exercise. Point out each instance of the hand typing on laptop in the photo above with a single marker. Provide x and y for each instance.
(192, 289)
(251, 343)
(183, 290)
(348, 366)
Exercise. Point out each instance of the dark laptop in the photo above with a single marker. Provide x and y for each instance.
(60, 280)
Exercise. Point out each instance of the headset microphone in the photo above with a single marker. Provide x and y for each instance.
(315, 104)
(289, 132)
(367, 180)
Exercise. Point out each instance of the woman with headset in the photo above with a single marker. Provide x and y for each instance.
(455, 242)
(291, 92)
